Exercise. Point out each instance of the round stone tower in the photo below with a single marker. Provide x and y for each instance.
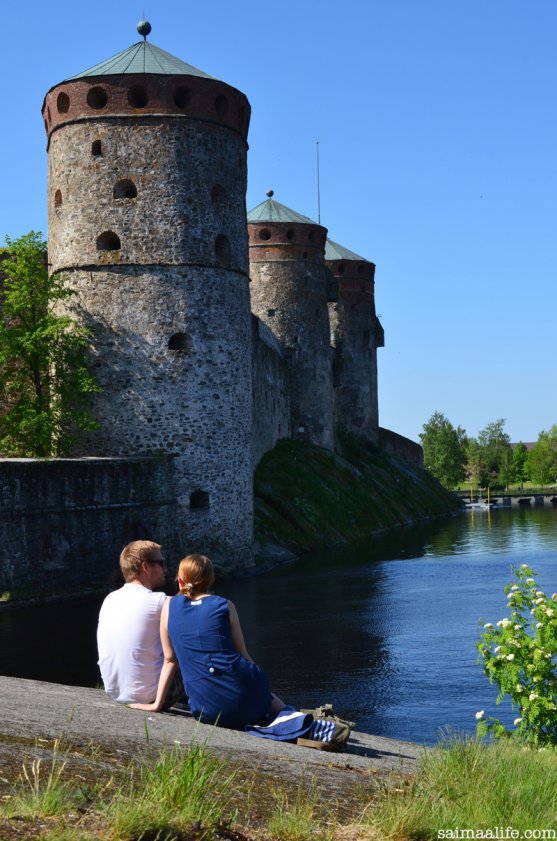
(289, 294)
(356, 334)
(147, 224)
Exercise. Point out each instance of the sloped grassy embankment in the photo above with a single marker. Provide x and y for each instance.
(307, 497)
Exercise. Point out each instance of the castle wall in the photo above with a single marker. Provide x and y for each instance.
(167, 304)
(355, 337)
(289, 284)
(64, 521)
(271, 391)
(398, 445)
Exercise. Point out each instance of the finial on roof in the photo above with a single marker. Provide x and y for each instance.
(144, 27)
(270, 193)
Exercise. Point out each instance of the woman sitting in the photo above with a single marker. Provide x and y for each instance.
(201, 632)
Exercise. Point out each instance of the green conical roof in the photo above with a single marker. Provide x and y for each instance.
(334, 251)
(142, 57)
(274, 211)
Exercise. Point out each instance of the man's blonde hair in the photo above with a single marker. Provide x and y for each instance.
(133, 555)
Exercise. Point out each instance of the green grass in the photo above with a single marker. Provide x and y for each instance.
(184, 790)
(297, 819)
(41, 790)
(190, 795)
(468, 785)
(306, 496)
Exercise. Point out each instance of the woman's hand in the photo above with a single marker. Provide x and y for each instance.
(148, 708)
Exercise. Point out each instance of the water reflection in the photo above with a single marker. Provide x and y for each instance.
(384, 629)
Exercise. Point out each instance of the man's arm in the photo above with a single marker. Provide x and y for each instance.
(168, 667)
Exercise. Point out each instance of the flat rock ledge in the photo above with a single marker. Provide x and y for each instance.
(35, 713)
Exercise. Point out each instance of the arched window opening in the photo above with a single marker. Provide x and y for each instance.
(108, 241)
(199, 500)
(182, 97)
(290, 234)
(58, 198)
(137, 96)
(63, 103)
(264, 234)
(124, 189)
(221, 105)
(97, 98)
(97, 148)
(222, 250)
(180, 342)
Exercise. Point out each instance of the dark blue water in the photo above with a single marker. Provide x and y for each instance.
(385, 630)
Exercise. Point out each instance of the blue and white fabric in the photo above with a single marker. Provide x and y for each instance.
(289, 725)
(322, 730)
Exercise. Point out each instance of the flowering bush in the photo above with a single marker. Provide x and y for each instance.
(519, 655)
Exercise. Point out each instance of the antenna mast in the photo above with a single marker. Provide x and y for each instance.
(318, 189)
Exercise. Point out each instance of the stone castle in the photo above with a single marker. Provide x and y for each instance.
(215, 332)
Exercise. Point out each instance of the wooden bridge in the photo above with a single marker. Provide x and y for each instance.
(526, 496)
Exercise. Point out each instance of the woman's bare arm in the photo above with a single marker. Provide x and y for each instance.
(168, 667)
(236, 632)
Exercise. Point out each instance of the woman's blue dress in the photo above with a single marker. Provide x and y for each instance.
(223, 687)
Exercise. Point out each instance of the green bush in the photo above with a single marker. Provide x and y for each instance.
(518, 654)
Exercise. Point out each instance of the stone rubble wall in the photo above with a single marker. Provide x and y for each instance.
(271, 391)
(64, 522)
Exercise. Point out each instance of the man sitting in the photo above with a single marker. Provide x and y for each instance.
(128, 636)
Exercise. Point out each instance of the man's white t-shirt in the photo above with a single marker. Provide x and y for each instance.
(128, 639)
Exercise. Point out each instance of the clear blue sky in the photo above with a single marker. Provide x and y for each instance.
(438, 136)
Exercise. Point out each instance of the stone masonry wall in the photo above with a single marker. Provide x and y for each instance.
(289, 289)
(271, 391)
(168, 305)
(64, 522)
(398, 445)
(353, 336)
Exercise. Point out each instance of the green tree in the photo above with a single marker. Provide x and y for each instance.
(542, 458)
(444, 450)
(520, 470)
(496, 453)
(44, 380)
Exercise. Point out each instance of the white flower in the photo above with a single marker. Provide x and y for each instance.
(549, 612)
(532, 696)
(514, 587)
(547, 656)
(510, 657)
(488, 626)
(517, 721)
(523, 566)
(540, 593)
(519, 687)
(539, 601)
(530, 581)
(497, 649)
(518, 627)
(480, 714)
(539, 625)
(554, 597)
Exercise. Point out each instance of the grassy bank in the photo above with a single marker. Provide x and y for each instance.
(306, 496)
(187, 794)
